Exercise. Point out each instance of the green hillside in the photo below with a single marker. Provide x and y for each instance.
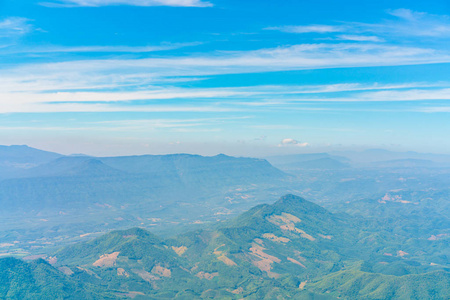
(353, 284)
(39, 280)
(290, 249)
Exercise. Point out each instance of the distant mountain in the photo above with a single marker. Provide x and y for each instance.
(321, 163)
(193, 169)
(16, 158)
(409, 163)
(134, 184)
(309, 161)
(375, 155)
(71, 166)
(26, 155)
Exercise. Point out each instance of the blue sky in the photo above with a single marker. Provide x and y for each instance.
(254, 78)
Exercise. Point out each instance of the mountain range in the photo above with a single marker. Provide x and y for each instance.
(292, 248)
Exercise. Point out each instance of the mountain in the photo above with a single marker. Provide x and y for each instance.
(39, 280)
(409, 163)
(321, 163)
(74, 182)
(193, 169)
(17, 158)
(375, 155)
(71, 166)
(70, 196)
(354, 284)
(291, 249)
(410, 213)
(309, 161)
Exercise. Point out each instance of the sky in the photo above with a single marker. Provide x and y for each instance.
(244, 78)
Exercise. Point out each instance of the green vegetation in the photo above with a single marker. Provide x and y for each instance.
(290, 249)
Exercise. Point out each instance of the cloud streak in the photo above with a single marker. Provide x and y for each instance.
(100, 49)
(296, 57)
(14, 26)
(406, 23)
(309, 29)
(99, 3)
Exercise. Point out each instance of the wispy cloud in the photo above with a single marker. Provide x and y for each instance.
(296, 57)
(434, 109)
(360, 38)
(93, 49)
(406, 23)
(98, 3)
(413, 94)
(14, 26)
(309, 29)
(174, 124)
(419, 24)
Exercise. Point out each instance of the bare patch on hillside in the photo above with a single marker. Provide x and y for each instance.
(145, 275)
(328, 237)
(438, 237)
(179, 250)
(287, 222)
(52, 260)
(302, 285)
(133, 295)
(296, 262)
(236, 291)
(107, 260)
(223, 258)
(303, 234)
(66, 270)
(283, 219)
(122, 272)
(226, 260)
(206, 275)
(265, 261)
(273, 237)
(161, 271)
(401, 253)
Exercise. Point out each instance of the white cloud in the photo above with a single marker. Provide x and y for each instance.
(360, 38)
(292, 142)
(98, 3)
(296, 57)
(406, 23)
(435, 109)
(14, 26)
(309, 29)
(407, 14)
(88, 49)
(407, 95)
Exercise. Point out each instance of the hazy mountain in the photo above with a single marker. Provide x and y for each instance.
(374, 155)
(309, 161)
(409, 163)
(14, 159)
(71, 166)
(77, 182)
